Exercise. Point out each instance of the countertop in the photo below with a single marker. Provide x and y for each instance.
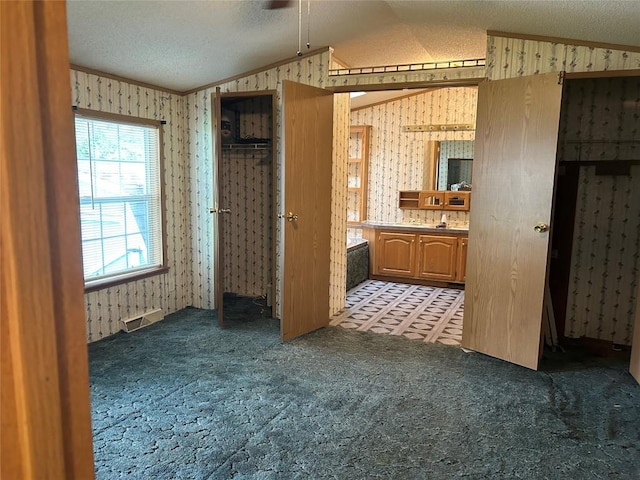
(416, 227)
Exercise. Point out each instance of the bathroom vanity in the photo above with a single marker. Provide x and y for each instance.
(416, 253)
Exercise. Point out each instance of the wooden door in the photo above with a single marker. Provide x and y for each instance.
(462, 259)
(396, 254)
(306, 216)
(218, 209)
(437, 257)
(513, 182)
(45, 410)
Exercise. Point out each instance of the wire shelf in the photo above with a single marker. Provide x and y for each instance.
(408, 67)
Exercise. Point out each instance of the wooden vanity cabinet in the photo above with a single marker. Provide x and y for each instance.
(418, 256)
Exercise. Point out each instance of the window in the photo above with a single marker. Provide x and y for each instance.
(119, 184)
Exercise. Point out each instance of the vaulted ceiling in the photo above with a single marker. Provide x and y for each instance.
(183, 44)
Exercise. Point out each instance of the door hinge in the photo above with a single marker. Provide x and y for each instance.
(561, 77)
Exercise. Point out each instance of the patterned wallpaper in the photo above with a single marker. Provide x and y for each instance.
(198, 146)
(593, 124)
(600, 121)
(338, 280)
(514, 57)
(171, 291)
(396, 158)
(606, 257)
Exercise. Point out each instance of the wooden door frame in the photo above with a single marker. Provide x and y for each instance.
(46, 424)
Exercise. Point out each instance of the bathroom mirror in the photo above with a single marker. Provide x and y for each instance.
(447, 163)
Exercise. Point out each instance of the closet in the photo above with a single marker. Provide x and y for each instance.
(272, 212)
(595, 248)
(245, 208)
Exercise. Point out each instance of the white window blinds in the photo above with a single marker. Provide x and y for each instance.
(120, 197)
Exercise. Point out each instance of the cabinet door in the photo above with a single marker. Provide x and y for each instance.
(457, 200)
(431, 200)
(462, 259)
(437, 257)
(396, 253)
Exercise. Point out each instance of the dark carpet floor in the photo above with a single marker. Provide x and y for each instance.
(184, 399)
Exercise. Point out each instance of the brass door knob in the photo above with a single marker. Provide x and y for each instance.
(541, 228)
(291, 217)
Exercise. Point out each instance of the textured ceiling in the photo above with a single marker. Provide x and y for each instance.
(185, 44)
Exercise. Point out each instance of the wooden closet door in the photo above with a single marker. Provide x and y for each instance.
(513, 182)
(308, 143)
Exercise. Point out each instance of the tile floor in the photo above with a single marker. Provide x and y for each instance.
(428, 314)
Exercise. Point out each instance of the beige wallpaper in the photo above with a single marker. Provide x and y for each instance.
(512, 57)
(337, 292)
(170, 291)
(396, 158)
(604, 272)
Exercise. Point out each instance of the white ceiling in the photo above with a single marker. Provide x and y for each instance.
(184, 44)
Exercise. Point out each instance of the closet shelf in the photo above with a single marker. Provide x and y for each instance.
(246, 146)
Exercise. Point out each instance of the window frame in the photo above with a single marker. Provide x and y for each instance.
(122, 278)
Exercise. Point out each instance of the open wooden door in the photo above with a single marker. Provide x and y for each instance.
(513, 183)
(308, 139)
(218, 210)
(45, 413)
